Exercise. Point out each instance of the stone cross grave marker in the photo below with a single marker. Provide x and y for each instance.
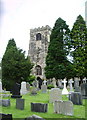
(65, 91)
(44, 82)
(55, 95)
(23, 88)
(70, 82)
(84, 80)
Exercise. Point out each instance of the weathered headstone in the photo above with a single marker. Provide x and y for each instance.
(67, 108)
(16, 91)
(5, 116)
(20, 103)
(58, 107)
(28, 86)
(54, 82)
(71, 87)
(60, 84)
(84, 90)
(44, 88)
(76, 83)
(65, 91)
(33, 91)
(5, 102)
(55, 95)
(39, 107)
(34, 117)
(23, 88)
(76, 98)
(63, 107)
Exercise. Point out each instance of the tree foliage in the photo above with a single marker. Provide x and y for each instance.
(57, 64)
(15, 66)
(79, 45)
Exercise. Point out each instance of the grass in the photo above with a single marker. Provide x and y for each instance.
(79, 110)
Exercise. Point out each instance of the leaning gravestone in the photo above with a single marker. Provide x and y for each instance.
(20, 103)
(5, 102)
(55, 95)
(44, 88)
(76, 98)
(16, 91)
(39, 107)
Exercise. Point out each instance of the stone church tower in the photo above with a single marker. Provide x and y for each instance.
(86, 12)
(38, 47)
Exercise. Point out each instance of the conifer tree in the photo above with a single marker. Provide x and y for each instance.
(79, 45)
(57, 64)
(15, 66)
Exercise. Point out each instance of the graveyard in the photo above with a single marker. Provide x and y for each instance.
(45, 103)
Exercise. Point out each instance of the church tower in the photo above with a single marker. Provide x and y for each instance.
(38, 47)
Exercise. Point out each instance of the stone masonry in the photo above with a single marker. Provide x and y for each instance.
(38, 47)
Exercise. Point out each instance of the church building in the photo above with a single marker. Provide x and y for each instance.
(38, 47)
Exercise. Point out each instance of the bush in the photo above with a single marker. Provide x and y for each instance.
(31, 79)
(50, 86)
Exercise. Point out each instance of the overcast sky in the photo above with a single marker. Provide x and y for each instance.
(17, 17)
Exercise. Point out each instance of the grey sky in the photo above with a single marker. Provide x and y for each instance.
(19, 16)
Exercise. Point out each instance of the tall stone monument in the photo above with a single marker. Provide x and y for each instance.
(38, 47)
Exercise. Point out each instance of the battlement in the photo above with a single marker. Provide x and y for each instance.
(47, 27)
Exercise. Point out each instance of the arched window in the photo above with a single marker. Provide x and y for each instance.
(38, 36)
(38, 70)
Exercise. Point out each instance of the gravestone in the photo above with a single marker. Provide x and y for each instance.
(23, 88)
(44, 88)
(84, 80)
(33, 91)
(0, 87)
(58, 107)
(71, 87)
(20, 103)
(76, 98)
(39, 107)
(34, 117)
(84, 90)
(44, 82)
(54, 82)
(63, 107)
(55, 95)
(65, 91)
(67, 108)
(28, 86)
(35, 84)
(5, 116)
(16, 91)
(76, 83)
(60, 84)
(5, 102)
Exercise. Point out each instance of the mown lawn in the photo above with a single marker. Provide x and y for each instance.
(79, 110)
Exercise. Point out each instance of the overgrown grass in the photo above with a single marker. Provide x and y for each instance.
(79, 110)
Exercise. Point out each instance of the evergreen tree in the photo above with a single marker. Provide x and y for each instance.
(15, 66)
(57, 64)
(79, 39)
